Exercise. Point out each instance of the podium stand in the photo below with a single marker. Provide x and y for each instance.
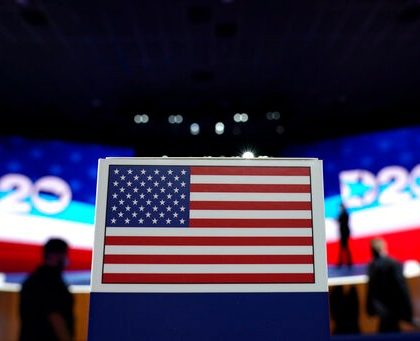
(209, 249)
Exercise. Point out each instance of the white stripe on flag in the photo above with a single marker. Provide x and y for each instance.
(249, 214)
(208, 268)
(250, 179)
(207, 250)
(209, 232)
(204, 196)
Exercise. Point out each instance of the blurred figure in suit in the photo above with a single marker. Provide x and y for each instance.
(388, 295)
(46, 304)
(344, 255)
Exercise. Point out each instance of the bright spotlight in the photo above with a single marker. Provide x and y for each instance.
(248, 155)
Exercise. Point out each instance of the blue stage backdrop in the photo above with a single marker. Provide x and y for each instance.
(377, 175)
(48, 188)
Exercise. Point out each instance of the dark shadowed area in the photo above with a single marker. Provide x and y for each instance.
(301, 71)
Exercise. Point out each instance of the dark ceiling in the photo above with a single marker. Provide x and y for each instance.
(80, 70)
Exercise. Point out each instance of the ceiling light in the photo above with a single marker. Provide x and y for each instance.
(273, 115)
(175, 119)
(141, 118)
(237, 117)
(178, 119)
(194, 129)
(240, 117)
(219, 128)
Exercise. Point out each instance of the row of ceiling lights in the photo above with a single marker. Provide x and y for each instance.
(219, 127)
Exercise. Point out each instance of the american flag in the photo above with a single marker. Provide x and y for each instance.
(197, 224)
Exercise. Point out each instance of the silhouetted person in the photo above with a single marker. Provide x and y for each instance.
(388, 295)
(344, 253)
(344, 308)
(46, 304)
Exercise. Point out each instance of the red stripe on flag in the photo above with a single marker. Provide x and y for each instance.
(243, 278)
(250, 205)
(294, 171)
(208, 259)
(158, 240)
(279, 223)
(250, 188)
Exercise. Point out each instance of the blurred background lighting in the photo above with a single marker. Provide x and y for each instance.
(279, 130)
(219, 128)
(240, 117)
(273, 115)
(194, 129)
(143, 118)
(175, 119)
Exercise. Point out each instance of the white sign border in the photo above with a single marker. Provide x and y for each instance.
(319, 238)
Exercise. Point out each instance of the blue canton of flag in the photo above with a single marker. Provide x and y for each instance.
(148, 196)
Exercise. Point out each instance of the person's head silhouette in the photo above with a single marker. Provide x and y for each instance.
(378, 247)
(55, 253)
